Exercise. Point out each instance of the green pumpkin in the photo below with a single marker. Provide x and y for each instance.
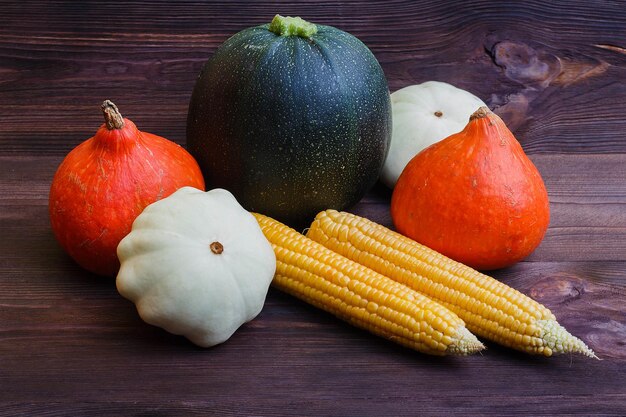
(292, 118)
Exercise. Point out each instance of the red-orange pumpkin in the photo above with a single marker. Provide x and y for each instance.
(475, 196)
(104, 183)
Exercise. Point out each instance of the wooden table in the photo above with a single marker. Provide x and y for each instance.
(70, 345)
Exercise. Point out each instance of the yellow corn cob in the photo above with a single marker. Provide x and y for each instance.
(489, 308)
(362, 297)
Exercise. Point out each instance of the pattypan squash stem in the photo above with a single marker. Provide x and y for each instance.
(216, 248)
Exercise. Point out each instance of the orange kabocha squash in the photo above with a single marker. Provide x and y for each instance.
(105, 182)
(475, 196)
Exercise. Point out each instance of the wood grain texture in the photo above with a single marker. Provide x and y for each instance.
(70, 345)
(548, 69)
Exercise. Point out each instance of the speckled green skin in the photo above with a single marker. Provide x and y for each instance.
(290, 125)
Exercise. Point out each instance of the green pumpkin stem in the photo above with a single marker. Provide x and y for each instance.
(292, 26)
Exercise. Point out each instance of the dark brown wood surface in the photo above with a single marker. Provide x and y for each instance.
(70, 345)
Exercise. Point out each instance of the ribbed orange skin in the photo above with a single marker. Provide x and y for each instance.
(474, 197)
(104, 183)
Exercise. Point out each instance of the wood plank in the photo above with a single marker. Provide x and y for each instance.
(66, 320)
(587, 202)
(554, 77)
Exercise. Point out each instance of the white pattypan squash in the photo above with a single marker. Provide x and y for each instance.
(422, 115)
(196, 264)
